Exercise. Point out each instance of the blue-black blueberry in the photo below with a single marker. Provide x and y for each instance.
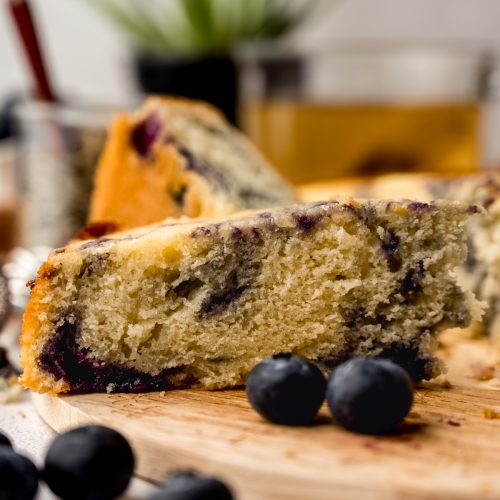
(90, 462)
(286, 389)
(4, 440)
(369, 395)
(18, 476)
(191, 486)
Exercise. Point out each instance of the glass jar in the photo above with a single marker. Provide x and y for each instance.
(58, 150)
(9, 201)
(357, 110)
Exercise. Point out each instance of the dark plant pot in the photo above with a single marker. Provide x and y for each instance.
(212, 79)
(283, 76)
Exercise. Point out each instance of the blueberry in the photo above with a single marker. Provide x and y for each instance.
(4, 440)
(18, 476)
(145, 133)
(369, 395)
(191, 486)
(91, 462)
(286, 389)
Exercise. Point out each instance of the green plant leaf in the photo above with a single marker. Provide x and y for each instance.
(140, 32)
(202, 26)
(199, 14)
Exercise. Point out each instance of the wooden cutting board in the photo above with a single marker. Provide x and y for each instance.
(445, 449)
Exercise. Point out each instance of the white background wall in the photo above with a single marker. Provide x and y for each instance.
(89, 59)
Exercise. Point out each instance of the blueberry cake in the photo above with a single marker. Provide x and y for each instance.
(176, 157)
(197, 303)
(481, 271)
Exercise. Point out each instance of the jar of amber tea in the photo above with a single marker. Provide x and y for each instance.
(357, 110)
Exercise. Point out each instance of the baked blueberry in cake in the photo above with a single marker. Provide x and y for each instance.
(481, 271)
(177, 157)
(198, 303)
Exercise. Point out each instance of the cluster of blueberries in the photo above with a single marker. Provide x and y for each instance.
(365, 395)
(93, 463)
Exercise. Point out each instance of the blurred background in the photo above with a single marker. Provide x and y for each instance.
(326, 88)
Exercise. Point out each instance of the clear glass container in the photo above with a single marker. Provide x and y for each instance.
(9, 200)
(58, 150)
(356, 110)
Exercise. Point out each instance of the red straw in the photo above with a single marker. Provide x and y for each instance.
(21, 13)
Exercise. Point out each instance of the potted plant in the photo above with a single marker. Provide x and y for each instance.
(186, 47)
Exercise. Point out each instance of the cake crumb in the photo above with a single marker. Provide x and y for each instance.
(372, 445)
(483, 372)
(162, 393)
(446, 384)
(491, 414)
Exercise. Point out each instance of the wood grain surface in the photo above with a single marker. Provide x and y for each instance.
(446, 448)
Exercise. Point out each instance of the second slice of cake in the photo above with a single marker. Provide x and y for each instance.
(176, 157)
(199, 303)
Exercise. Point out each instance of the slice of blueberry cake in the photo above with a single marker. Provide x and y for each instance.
(481, 271)
(177, 157)
(199, 303)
